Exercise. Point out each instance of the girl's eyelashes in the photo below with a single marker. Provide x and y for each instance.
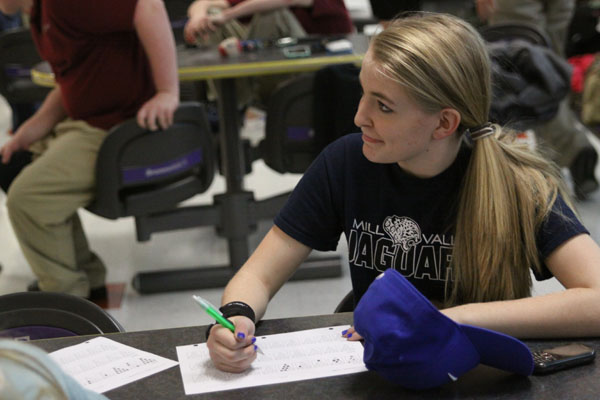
(383, 107)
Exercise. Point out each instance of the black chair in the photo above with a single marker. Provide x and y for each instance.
(306, 113)
(347, 303)
(141, 172)
(42, 315)
(18, 54)
(289, 144)
(147, 174)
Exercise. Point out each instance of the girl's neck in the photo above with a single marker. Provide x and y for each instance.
(437, 159)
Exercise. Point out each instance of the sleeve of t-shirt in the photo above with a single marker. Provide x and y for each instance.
(328, 7)
(311, 214)
(95, 16)
(560, 225)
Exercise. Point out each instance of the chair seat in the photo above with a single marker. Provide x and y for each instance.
(41, 315)
(139, 172)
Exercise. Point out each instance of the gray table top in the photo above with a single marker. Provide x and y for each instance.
(582, 382)
(206, 63)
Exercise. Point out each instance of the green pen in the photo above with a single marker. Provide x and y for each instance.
(216, 314)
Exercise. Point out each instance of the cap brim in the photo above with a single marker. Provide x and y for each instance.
(499, 350)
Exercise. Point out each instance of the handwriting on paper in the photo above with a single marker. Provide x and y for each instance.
(101, 364)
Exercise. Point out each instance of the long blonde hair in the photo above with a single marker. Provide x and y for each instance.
(441, 61)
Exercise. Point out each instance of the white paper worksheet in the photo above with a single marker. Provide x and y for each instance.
(287, 357)
(101, 364)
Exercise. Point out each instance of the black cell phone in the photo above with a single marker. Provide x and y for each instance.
(558, 358)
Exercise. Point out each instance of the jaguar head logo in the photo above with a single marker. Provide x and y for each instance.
(403, 231)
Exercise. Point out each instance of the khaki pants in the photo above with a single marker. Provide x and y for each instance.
(42, 205)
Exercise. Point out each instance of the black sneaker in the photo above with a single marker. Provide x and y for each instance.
(96, 294)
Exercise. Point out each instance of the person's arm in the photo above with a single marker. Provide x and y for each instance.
(268, 268)
(251, 7)
(574, 312)
(37, 126)
(199, 8)
(154, 30)
(201, 24)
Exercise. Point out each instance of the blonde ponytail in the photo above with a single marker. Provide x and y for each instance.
(507, 192)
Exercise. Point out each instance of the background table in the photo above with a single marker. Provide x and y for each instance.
(238, 211)
(208, 64)
(481, 383)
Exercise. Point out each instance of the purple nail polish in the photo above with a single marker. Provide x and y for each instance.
(349, 336)
(255, 347)
(344, 332)
(253, 340)
(241, 335)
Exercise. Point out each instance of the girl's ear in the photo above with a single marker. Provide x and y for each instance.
(448, 123)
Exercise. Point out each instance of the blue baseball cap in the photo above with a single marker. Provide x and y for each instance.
(409, 342)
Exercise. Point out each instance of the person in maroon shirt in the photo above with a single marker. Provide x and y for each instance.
(325, 17)
(112, 60)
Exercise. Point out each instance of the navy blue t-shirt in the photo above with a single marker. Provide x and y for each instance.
(392, 219)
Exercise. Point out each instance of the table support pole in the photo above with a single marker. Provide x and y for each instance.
(235, 222)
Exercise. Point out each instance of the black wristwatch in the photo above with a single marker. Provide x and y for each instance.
(231, 310)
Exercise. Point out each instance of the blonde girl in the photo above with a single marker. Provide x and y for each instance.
(432, 189)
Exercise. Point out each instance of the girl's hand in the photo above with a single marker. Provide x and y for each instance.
(233, 352)
(351, 334)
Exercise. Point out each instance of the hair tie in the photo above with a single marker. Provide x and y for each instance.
(481, 131)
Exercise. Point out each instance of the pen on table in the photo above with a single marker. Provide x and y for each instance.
(216, 314)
